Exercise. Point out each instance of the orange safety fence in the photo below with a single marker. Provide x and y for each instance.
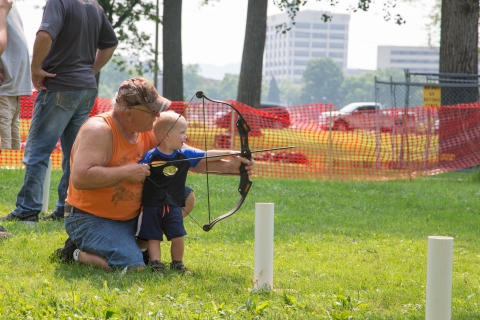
(369, 145)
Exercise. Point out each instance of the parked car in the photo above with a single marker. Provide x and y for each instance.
(279, 110)
(270, 115)
(366, 116)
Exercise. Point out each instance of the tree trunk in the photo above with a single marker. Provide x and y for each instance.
(459, 48)
(172, 50)
(250, 82)
(459, 55)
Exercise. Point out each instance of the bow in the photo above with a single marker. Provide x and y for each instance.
(245, 183)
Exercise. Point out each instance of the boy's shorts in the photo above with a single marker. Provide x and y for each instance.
(10, 122)
(153, 222)
(112, 239)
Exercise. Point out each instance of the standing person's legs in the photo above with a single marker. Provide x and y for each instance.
(9, 122)
(172, 224)
(45, 130)
(82, 110)
(16, 143)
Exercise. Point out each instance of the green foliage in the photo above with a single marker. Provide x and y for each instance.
(192, 81)
(290, 92)
(343, 250)
(265, 91)
(362, 88)
(225, 89)
(112, 76)
(433, 27)
(321, 81)
(273, 92)
(124, 16)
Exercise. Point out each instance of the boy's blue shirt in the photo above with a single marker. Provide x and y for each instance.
(166, 183)
(187, 152)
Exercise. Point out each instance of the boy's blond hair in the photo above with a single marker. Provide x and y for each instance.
(166, 121)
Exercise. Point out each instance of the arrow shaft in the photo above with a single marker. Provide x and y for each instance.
(219, 156)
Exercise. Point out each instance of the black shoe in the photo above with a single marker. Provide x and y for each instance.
(157, 266)
(4, 233)
(57, 214)
(33, 217)
(179, 266)
(64, 254)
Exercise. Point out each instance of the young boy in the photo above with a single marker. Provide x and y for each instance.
(164, 190)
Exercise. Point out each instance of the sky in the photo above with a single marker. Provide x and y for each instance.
(214, 34)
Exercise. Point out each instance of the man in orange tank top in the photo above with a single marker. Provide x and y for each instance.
(105, 188)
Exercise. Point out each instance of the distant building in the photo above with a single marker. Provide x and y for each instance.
(416, 59)
(287, 55)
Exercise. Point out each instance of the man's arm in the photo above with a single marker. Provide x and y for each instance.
(5, 6)
(41, 47)
(102, 57)
(91, 153)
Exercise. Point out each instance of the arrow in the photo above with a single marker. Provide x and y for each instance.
(160, 163)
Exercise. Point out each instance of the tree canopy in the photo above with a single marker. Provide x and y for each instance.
(322, 80)
(124, 16)
(273, 92)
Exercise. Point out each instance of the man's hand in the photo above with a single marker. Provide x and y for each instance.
(38, 76)
(6, 5)
(234, 164)
(137, 172)
(41, 47)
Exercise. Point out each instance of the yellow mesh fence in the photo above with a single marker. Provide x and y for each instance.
(369, 145)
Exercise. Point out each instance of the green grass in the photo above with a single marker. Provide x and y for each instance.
(343, 250)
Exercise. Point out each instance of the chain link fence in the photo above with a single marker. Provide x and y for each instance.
(447, 111)
(428, 90)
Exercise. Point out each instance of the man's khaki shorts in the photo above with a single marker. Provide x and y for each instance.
(10, 122)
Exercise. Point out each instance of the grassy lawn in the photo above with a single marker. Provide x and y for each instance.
(343, 250)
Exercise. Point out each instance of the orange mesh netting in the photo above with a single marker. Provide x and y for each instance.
(369, 145)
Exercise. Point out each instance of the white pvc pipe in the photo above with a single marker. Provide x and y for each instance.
(263, 269)
(439, 278)
(46, 186)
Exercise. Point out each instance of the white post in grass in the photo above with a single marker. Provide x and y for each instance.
(46, 186)
(439, 278)
(263, 269)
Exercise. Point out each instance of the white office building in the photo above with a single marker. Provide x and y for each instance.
(287, 55)
(415, 59)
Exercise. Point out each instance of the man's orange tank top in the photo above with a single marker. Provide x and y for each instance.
(121, 201)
